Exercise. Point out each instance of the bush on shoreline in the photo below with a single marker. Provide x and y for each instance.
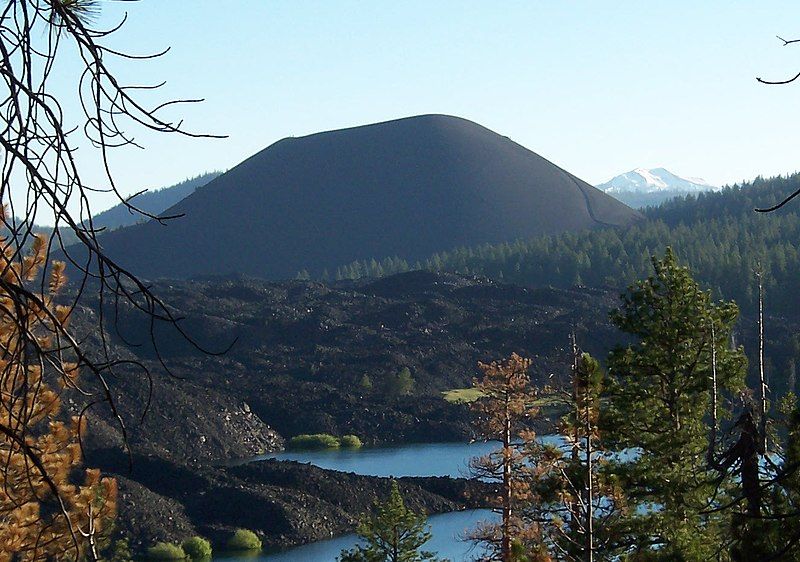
(350, 442)
(197, 548)
(323, 441)
(313, 441)
(244, 539)
(165, 551)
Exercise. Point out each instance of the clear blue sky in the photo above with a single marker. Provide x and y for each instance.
(598, 87)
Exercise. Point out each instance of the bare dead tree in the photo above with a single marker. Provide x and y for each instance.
(762, 381)
(576, 504)
(712, 437)
(589, 430)
(584, 405)
(40, 178)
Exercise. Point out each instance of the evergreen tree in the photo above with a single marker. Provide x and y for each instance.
(400, 384)
(717, 234)
(658, 395)
(365, 383)
(785, 496)
(503, 414)
(118, 551)
(765, 508)
(392, 533)
(577, 501)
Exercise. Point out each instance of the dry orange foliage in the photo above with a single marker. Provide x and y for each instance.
(46, 512)
(507, 403)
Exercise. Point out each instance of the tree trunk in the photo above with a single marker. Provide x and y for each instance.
(589, 478)
(712, 438)
(505, 547)
(762, 433)
(574, 506)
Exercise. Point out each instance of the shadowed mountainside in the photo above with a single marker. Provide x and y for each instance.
(154, 202)
(405, 188)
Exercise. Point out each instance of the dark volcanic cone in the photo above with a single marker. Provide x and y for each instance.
(404, 188)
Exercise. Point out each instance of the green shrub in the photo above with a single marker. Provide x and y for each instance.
(315, 441)
(197, 548)
(351, 441)
(243, 539)
(399, 384)
(118, 551)
(165, 551)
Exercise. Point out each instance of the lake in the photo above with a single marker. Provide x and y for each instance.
(447, 530)
(415, 459)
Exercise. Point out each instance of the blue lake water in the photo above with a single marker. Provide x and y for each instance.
(417, 459)
(447, 529)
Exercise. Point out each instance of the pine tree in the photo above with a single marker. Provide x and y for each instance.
(577, 501)
(365, 383)
(765, 508)
(508, 402)
(785, 495)
(400, 384)
(658, 395)
(45, 512)
(392, 533)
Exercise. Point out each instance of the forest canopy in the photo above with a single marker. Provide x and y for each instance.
(716, 234)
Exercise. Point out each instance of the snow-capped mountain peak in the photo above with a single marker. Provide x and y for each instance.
(643, 180)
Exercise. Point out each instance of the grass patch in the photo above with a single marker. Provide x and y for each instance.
(313, 441)
(550, 406)
(462, 395)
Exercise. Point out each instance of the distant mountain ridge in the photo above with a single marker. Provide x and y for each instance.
(154, 202)
(644, 187)
(405, 188)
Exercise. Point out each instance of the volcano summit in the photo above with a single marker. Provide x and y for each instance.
(406, 188)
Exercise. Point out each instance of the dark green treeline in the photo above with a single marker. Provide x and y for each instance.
(717, 234)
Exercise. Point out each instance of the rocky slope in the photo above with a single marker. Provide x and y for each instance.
(299, 352)
(299, 355)
(286, 503)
